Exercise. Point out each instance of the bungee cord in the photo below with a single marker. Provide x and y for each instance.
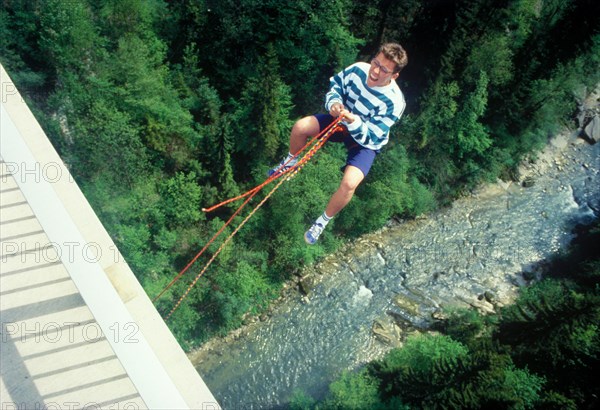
(313, 145)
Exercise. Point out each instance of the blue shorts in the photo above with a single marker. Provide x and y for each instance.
(358, 156)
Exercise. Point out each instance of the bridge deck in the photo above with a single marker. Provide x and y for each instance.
(77, 328)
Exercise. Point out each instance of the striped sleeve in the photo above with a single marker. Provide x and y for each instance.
(336, 91)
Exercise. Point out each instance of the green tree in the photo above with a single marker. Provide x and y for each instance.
(237, 290)
(430, 370)
(354, 391)
(383, 20)
(181, 197)
(428, 360)
(69, 38)
(140, 77)
(196, 92)
(228, 188)
(108, 145)
(286, 218)
(301, 401)
(121, 18)
(19, 30)
(470, 134)
(309, 39)
(553, 326)
(261, 122)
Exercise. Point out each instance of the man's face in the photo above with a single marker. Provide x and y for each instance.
(381, 71)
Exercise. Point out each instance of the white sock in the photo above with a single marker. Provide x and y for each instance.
(323, 220)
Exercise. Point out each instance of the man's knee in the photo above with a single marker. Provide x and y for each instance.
(305, 127)
(349, 186)
(352, 179)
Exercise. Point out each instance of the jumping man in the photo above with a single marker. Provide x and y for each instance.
(368, 99)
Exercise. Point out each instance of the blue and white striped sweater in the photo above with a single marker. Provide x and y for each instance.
(377, 108)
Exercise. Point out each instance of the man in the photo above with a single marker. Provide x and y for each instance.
(368, 99)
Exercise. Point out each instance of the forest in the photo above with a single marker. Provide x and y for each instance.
(160, 108)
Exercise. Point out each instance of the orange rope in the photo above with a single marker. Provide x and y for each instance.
(214, 237)
(321, 138)
(334, 126)
(225, 242)
(327, 131)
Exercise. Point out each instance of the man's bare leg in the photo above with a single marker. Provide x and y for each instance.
(353, 176)
(351, 180)
(303, 129)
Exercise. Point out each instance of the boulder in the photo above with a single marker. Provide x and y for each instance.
(592, 129)
(528, 182)
(307, 283)
(489, 296)
(387, 332)
(408, 305)
(439, 314)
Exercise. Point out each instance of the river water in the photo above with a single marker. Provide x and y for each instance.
(368, 296)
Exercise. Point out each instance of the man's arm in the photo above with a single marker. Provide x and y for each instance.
(372, 131)
(334, 99)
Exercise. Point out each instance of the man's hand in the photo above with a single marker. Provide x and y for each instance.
(348, 116)
(336, 109)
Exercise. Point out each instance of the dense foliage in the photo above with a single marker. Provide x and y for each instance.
(163, 107)
(541, 352)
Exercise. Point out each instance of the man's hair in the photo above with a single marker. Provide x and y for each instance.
(394, 52)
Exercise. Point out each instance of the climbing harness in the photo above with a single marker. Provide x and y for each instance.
(311, 146)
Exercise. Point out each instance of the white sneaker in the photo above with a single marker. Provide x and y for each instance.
(312, 235)
(281, 167)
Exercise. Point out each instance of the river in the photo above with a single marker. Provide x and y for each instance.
(367, 297)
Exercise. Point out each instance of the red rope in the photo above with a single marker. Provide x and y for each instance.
(225, 242)
(321, 138)
(334, 126)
